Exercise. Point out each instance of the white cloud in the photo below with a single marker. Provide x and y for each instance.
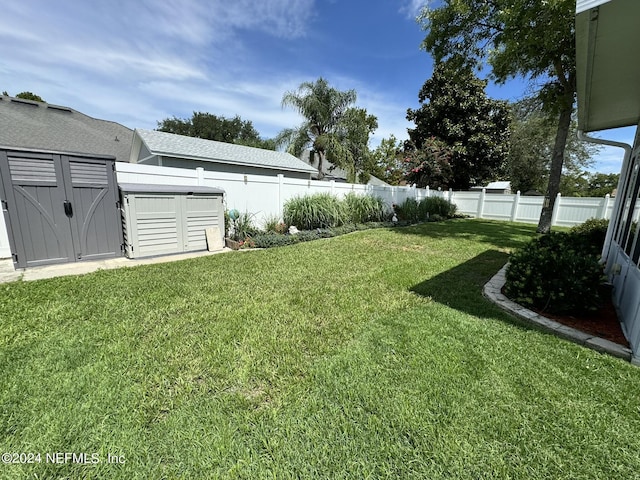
(412, 8)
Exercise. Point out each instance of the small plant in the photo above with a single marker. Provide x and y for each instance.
(557, 272)
(242, 225)
(272, 224)
(321, 210)
(248, 242)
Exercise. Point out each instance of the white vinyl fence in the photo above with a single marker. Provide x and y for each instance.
(265, 196)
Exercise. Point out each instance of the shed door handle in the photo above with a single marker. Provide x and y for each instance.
(68, 209)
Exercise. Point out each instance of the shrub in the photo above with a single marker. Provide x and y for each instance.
(321, 210)
(267, 240)
(363, 208)
(592, 232)
(557, 272)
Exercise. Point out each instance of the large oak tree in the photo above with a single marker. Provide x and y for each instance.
(518, 38)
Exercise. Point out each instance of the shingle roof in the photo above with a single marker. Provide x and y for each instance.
(180, 146)
(28, 124)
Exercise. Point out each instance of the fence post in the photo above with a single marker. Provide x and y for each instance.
(556, 209)
(199, 176)
(516, 203)
(604, 207)
(427, 192)
(481, 203)
(450, 196)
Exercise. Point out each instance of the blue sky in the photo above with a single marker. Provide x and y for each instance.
(139, 61)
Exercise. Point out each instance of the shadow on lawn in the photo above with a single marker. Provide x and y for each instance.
(461, 286)
(499, 234)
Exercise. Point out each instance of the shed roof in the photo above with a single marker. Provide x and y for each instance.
(180, 146)
(607, 39)
(43, 126)
(148, 188)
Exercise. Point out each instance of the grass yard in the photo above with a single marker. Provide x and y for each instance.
(371, 355)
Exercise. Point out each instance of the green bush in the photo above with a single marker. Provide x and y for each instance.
(321, 210)
(592, 232)
(268, 240)
(557, 272)
(363, 208)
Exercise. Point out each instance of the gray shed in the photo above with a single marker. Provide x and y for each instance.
(165, 219)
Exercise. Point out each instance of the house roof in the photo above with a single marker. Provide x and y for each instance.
(43, 126)
(500, 185)
(180, 146)
(332, 172)
(607, 39)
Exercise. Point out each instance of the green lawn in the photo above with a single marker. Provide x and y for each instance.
(371, 355)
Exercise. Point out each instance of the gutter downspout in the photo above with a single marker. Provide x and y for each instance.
(617, 204)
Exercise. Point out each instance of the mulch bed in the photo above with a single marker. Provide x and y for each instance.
(603, 323)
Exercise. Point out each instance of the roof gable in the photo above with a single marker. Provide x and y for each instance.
(43, 126)
(180, 146)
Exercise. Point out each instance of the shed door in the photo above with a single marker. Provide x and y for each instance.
(60, 208)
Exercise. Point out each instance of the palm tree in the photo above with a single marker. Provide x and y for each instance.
(323, 108)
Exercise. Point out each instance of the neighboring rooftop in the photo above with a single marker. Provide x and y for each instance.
(180, 146)
(43, 126)
(332, 172)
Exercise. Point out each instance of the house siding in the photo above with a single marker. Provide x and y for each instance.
(225, 167)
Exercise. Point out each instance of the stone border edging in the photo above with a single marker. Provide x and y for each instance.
(493, 291)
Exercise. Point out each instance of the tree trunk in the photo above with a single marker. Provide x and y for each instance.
(544, 225)
(320, 162)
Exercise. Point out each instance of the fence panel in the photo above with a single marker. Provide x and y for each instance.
(575, 210)
(467, 202)
(498, 207)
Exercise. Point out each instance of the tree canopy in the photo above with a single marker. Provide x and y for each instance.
(214, 127)
(531, 148)
(531, 39)
(333, 128)
(27, 96)
(456, 110)
(388, 161)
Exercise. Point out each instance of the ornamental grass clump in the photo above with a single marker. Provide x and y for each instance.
(408, 211)
(321, 210)
(364, 208)
(436, 207)
(427, 209)
(556, 273)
